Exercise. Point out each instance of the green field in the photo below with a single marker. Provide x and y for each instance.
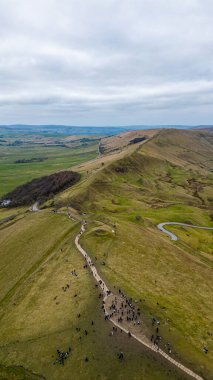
(58, 158)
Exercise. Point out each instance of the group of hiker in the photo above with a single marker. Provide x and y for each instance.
(73, 273)
(62, 356)
(156, 338)
(64, 288)
(123, 309)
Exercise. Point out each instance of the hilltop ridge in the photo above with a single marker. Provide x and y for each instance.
(122, 195)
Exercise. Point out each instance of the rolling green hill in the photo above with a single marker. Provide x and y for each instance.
(123, 196)
(167, 179)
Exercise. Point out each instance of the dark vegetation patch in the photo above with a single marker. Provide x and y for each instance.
(50, 145)
(85, 139)
(102, 148)
(41, 189)
(121, 169)
(16, 143)
(137, 140)
(33, 159)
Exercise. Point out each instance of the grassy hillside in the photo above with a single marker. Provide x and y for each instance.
(124, 196)
(38, 317)
(120, 142)
(191, 149)
(153, 185)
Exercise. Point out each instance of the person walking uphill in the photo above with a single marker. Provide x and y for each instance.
(114, 312)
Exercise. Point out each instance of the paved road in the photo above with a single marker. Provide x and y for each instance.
(138, 336)
(173, 236)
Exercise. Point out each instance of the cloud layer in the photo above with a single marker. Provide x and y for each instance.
(106, 62)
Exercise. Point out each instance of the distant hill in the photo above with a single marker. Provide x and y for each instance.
(206, 127)
(61, 129)
(122, 140)
(87, 130)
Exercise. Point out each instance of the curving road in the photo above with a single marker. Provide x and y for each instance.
(160, 226)
(136, 334)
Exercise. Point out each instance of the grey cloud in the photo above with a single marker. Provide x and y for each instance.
(74, 57)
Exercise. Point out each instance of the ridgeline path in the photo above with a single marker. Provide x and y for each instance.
(173, 236)
(109, 298)
(128, 327)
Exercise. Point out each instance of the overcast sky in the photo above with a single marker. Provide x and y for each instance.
(106, 62)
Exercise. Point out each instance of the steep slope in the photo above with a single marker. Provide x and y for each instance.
(189, 149)
(40, 301)
(168, 179)
(119, 142)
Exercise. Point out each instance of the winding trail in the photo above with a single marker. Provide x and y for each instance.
(160, 226)
(136, 331)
